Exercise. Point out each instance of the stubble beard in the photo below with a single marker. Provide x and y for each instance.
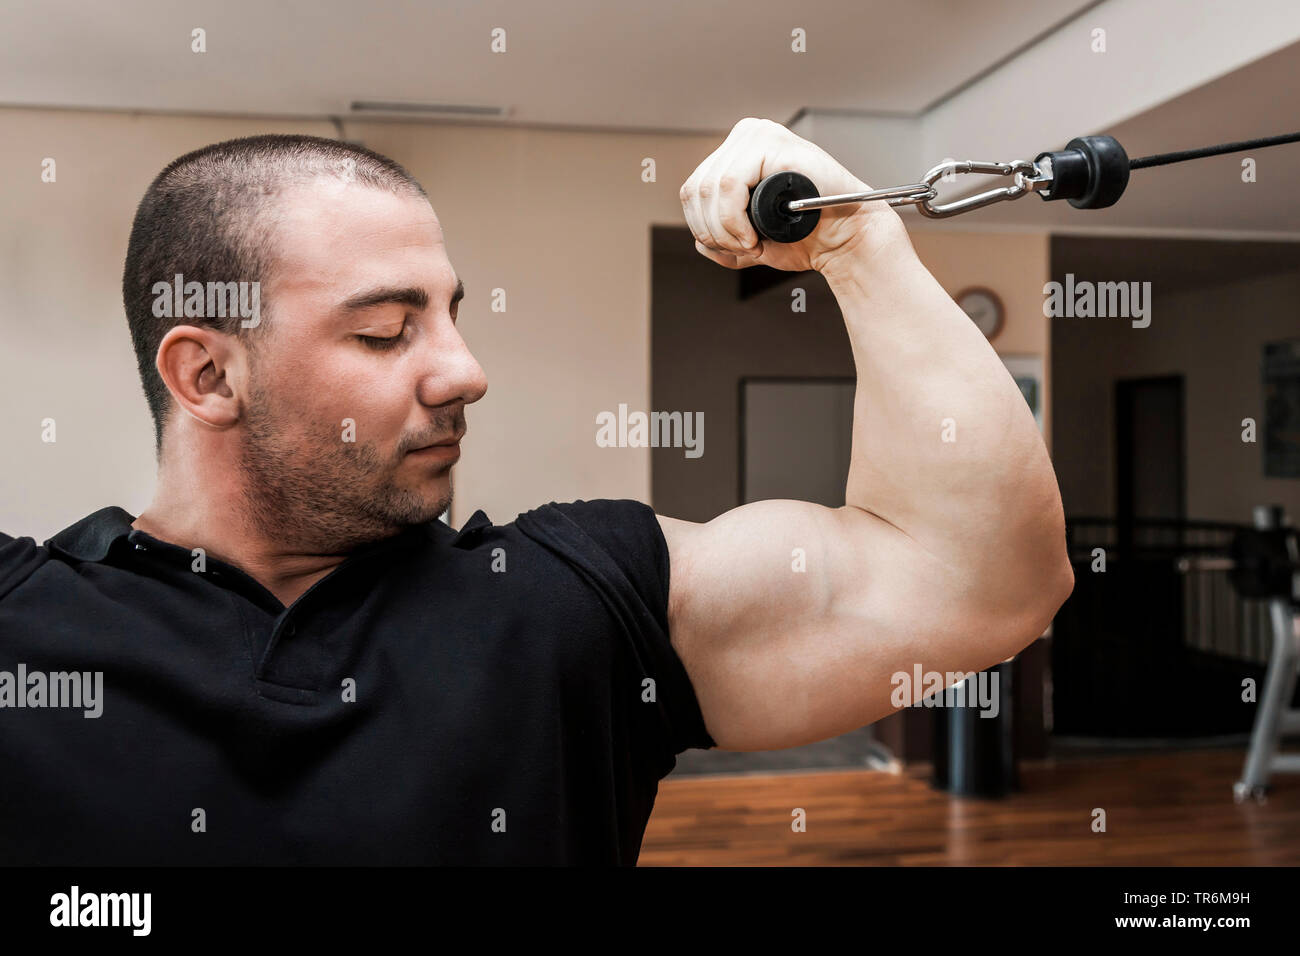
(311, 488)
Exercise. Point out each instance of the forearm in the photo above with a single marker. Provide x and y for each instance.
(945, 448)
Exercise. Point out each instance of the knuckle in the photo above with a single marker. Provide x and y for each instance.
(728, 183)
(732, 221)
(707, 189)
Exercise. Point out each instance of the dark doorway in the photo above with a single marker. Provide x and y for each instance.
(1142, 647)
(1150, 454)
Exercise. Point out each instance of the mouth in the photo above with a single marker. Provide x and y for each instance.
(447, 448)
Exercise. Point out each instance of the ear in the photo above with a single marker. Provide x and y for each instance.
(206, 372)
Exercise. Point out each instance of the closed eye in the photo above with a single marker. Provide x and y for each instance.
(380, 344)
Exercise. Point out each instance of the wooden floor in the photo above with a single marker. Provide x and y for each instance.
(1166, 809)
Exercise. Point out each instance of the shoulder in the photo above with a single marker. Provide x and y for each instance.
(622, 531)
(19, 557)
(610, 522)
(618, 547)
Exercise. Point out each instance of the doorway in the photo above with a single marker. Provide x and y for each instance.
(1150, 453)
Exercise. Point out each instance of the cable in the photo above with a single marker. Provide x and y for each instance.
(1163, 159)
(1091, 173)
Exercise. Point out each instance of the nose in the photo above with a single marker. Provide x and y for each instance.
(451, 372)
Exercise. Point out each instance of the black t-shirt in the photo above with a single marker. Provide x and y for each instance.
(498, 695)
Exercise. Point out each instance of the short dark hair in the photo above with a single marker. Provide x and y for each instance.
(208, 216)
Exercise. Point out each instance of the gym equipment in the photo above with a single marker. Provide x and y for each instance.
(1091, 172)
(1268, 567)
(1265, 565)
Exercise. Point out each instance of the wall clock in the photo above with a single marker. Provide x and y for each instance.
(984, 308)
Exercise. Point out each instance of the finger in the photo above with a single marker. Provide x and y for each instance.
(693, 203)
(725, 201)
(690, 195)
(695, 211)
(737, 150)
(726, 258)
(737, 144)
(738, 224)
(690, 209)
(725, 186)
(721, 258)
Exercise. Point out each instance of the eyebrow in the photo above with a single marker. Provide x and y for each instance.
(413, 296)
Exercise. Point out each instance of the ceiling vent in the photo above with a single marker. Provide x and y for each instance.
(395, 108)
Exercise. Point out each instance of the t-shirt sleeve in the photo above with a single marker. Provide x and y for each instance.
(619, 547)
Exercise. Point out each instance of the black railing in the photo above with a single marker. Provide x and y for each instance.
(1214, 618)
(1158, 643)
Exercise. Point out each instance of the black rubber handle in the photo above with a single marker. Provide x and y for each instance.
(1091, 172)
(766, 207)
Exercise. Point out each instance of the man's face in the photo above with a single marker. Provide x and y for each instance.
(332, 419)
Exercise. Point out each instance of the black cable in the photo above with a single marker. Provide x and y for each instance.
(1163, 159)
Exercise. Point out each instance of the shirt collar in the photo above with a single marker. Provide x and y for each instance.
(469, 531)
(91, 538)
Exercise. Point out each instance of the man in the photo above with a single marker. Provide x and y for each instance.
(299, 664)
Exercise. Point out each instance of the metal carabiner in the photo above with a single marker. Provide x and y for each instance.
(1028, 178)
(777, 203)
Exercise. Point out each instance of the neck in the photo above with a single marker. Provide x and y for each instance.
(209, 512)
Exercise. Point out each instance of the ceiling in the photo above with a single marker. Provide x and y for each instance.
(1203, 196)
(688, 65)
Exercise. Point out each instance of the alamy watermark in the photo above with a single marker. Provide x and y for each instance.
(196, 300)
(651, 430)
(946, 689)
(73, 689)
(75, 908)
(1087, 300)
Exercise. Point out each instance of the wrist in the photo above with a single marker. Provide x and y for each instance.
(877, 238)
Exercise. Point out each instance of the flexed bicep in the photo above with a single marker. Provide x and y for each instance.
(793, 618)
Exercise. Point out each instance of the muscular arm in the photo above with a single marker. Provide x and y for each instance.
(947, 553)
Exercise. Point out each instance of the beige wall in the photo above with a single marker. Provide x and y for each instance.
(1013, 265)
(560, 220)
(1212, 309)
(706, 338)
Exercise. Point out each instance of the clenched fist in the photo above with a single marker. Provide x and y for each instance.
(716, 196)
